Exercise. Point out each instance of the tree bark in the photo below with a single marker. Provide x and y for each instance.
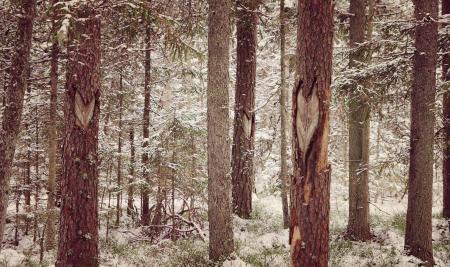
(283, 117)
(221, 243)
(15, 90)
(244, 119)
(78, 232)
(309, 229)
(146, 125)
(130, 202)
(418, 237)
(52, 136)
(358, 131)
(446, 123)
(119, 156)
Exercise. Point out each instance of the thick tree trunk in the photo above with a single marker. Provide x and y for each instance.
(284, 180)
(358, 131)
(446, 122)
(244, 118)
(52, 137)
(78, 232)
(130, 191)
(146, 124)
(418, 239)
(14, 101)
(309, 229)
(221, 242)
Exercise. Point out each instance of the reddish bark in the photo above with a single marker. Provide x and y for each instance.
(15, 91)
(310, 195)
(78, 231)
(244, 119)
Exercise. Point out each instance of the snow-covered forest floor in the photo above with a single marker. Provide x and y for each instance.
(262, 241)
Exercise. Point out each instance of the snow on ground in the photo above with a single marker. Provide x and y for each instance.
(262, 241)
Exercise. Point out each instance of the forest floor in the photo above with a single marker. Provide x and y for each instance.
(261, 241)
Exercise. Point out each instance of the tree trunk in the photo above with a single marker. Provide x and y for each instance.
(418, 239)
(244, 118)
(446, 120)
(130, 202)
(283, 117)
(52, 137)
(119, 157)
(78, 232)
(221, 243)
(309, 229)
(14, 101)
(358, 131)
(146, 175)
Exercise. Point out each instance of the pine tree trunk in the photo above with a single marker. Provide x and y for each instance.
(358, 131)
(244, 118)
(146, 175)
(15, 90)
(418, 239)
(130, 201)
(119, 157)
(221, 242)
(284, 179)
(78, 232)
(52, 137)
(446, 122)
(309, 229)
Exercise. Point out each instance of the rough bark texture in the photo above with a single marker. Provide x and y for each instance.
(358, 131)
(15, 91)
(221, 242)
(52, 137)
(244, 118)
(310, 189)
(78, 232)
(418, 240)
(446, 120)
(146, 124)
(284, 180)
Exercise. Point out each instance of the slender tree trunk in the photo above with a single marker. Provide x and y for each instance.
(309, 230)
(37, 185)
(27, 185)
(52, 137)
(243, 173)
(119, 159)
(221, 243)
(418, 239)
(446, 120)
(358, 131)
(130, 202)
(145, 192)
(12, 114)
(78, 232)
(284, 179)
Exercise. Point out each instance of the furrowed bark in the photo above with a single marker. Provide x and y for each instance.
(78, 232)
(309, 229)
(418, 235)
(15, 91)
(221, 243)
(244, 121)
(446, 123)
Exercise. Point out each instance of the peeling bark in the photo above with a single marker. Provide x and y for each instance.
(78, 232)
(310, 188)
